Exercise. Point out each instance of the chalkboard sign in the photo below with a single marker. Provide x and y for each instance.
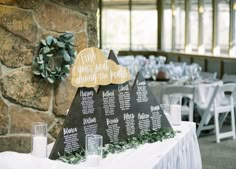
(115, 111)
(112, 126)
(149, 114)
(81, 120)
(112, 57)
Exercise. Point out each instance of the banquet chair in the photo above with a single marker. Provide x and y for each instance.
(186, 92)
(219, 109)
(231, 90)
(208, 75)
(232, 87)
(229, 78)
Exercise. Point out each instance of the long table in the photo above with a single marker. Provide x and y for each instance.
(180, 152)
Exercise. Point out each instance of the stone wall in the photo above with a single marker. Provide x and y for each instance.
(25, 98)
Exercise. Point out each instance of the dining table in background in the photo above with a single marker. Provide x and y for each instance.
(203, 90)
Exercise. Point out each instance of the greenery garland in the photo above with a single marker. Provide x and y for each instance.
(54, 57)
(134, 142)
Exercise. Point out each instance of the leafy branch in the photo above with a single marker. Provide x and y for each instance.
(134, 142)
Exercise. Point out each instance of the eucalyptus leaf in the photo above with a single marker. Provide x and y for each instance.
(46, 58)
(55, 40)
(49, 40)
(41, 67)
(75, 53)
(53, 72)
(70, 47)
(43, 75)
(67, 75)
(48, 69)
(46, 73)
(66, 69)
(61, 44)
(68, 35)
(52, 48)
(62, 78)
(49, 55)
(71, 52)
(58, 69)
(50, 80)
(40, 61)
(40, 57)
(43, 42)
(71, 41)
(36, 72)
(46, 49)
(66, 56)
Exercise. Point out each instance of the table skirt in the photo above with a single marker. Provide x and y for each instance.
(180, 152)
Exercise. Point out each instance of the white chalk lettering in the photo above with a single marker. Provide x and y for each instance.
(128, 116)
(69, 130)
(123, 88)
(89, 120)
(85, 79)
(112, 121)
(155, 108)
(89, 58)
(141, 83)
(107, 93)
(86, 93)
(85, 69)
(143, 116)
(101, 67)
(121, 73)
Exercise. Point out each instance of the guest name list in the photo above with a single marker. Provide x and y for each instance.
(116, 111)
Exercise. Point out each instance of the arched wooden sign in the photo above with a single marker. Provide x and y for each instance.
(92, 68)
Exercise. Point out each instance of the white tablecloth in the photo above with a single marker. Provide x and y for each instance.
(181, 152)
(203, 91)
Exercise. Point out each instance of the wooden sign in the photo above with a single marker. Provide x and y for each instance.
(115, 111)
(92, 68)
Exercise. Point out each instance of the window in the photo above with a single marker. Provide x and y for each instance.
(123, 29)
(115, 25)
(180, 25)
(233, 49)
(194, 27)
(144, 31)
(98, 26)
(223, 26)
(207, 26)
(133, 25)
(167, 25)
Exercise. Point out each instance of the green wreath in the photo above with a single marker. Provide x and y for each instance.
(54, 57)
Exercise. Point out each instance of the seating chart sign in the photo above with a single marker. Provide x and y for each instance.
(116, 111)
